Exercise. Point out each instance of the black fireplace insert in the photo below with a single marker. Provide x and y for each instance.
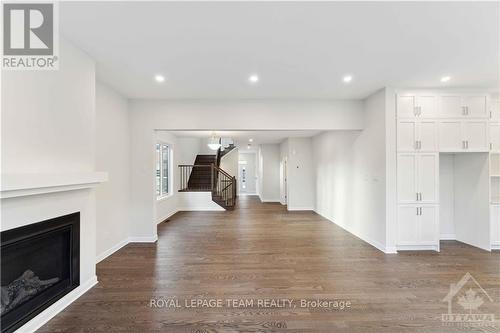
(40, 264)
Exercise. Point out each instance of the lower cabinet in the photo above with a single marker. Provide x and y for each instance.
(418, 227)
(495, 226)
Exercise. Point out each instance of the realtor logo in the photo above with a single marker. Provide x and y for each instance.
(29, 36)
(470, 296)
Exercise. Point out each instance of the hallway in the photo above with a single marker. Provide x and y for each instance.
(262, 251)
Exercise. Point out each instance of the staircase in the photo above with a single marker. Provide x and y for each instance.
(205, 175)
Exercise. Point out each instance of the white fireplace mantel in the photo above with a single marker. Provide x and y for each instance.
(17, 185)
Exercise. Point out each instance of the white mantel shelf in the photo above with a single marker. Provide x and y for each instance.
(18, 185)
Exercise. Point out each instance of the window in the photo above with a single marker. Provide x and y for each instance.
(162, 169)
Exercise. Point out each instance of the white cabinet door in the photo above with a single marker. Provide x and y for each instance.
(407, 135)
(428, 178)
(495, 225)
(450, 136)
(406, 105)
(428, 136)
(476, 135)
(476, 106)
(407, 178)
(427, 105)
(495, 136)
(428, 225)
(408, 229)
(450, 106)
(495, 109)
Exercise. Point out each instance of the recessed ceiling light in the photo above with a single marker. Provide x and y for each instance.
(254, 78)
(159, 78)
(445, 79)
(347, 78)
(250, 140)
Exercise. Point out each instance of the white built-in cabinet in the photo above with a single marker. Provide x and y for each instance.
(495, 109)
(463, 106)
(416, 106)
(463, 135)
(495, 136)
(417, 135)
(429, 124)
(418, 226)
(418, 177)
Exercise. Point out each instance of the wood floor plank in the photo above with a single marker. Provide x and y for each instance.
(262, 251)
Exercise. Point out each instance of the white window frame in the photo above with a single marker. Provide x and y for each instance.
(159, 188)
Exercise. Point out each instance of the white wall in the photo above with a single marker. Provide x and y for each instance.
(284, 152)
(229, 163)
(301, 174)
(112, 155)
(48, 126)
(269, 171)
(447, 196)
(350, 169)
(146, 116)
(48, 117)
(265, 114)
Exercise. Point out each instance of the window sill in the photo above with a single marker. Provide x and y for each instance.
(164, 197)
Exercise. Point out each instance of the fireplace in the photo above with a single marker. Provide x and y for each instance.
(40, 264)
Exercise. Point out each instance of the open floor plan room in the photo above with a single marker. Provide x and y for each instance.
(250, 167)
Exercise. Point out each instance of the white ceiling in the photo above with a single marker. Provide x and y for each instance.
(241, 138)
(299, 49)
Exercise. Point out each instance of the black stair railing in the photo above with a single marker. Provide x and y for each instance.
(209, 177)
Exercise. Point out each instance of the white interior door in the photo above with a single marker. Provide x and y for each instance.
(451, 106)
(476, 135)
(407, 135)
(407, 178)
(428, 136)
(450, 136)
(428, 178)
(408, 225)
(428, 106)
(476, 106)
(406, 106)
(429, 225)
(495, 136)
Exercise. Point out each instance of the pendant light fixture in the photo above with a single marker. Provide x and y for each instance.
(213, 142)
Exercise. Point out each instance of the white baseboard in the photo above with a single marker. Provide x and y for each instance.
(447, 237)
(111, 250)
(495, 246)
(375, 244)
(143, 239)
(300, 208)
(417, 248)
(167, 216)
(201, 209)
(391, 250)
(269, 200)
(57, 307)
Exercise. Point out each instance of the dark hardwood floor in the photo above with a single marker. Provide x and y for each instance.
(261, 251)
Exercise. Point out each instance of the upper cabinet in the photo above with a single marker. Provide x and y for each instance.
(416, 105)
(463, 106)
(463, 136)
(495, 109)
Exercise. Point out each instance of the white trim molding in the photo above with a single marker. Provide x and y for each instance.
(143, 239)
(111, 250)
(300, 208)
(18, 185)
(49, 313)
(447, 237)
(167, 216)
